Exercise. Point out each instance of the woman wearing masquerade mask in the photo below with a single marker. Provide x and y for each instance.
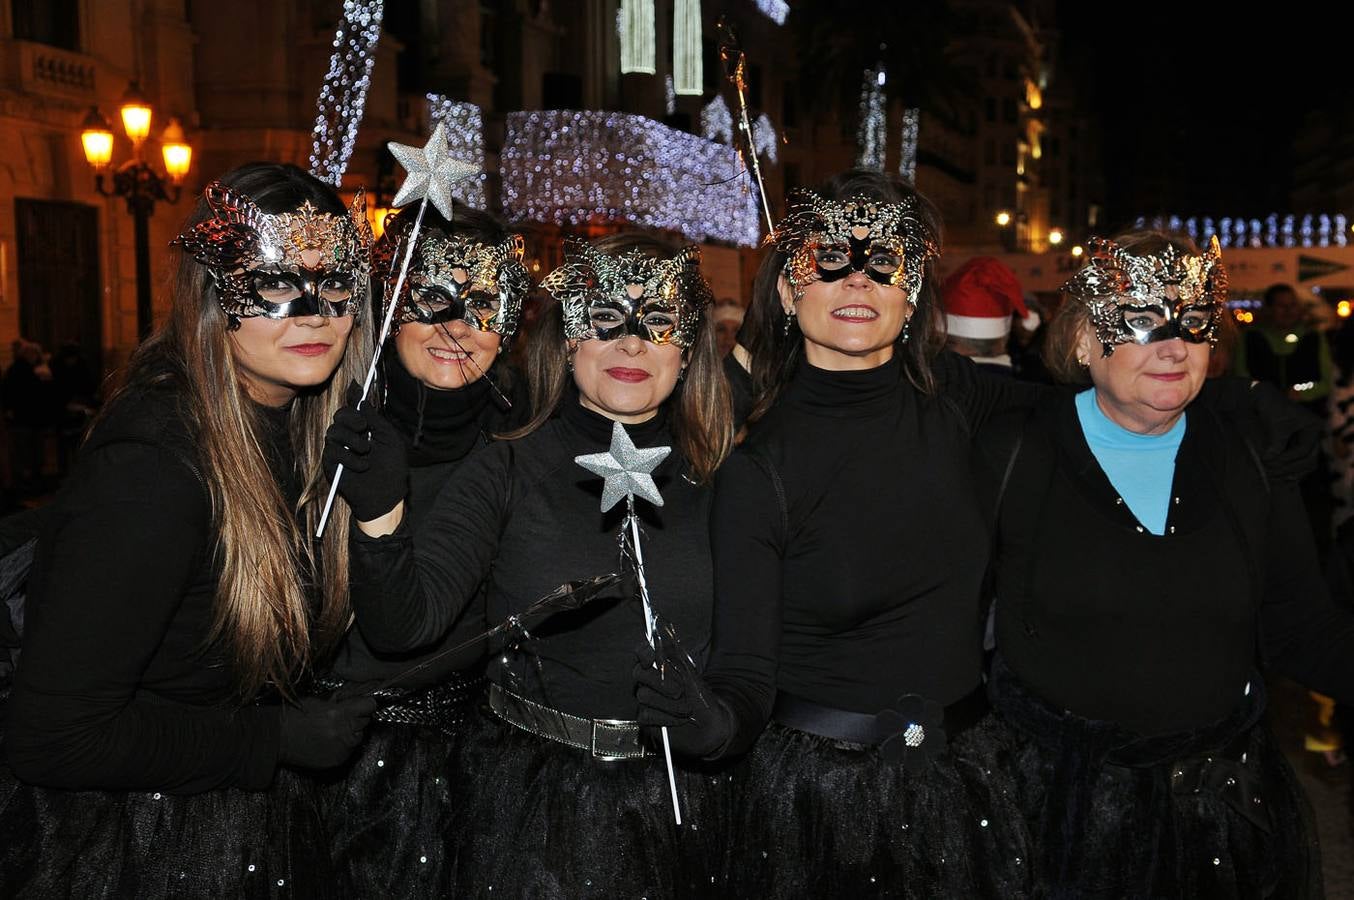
(445, 395)
(849, 552)
(177, 601)
(562, 796)
(1156, 528)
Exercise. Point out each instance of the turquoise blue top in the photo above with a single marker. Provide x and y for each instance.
(1140, 466)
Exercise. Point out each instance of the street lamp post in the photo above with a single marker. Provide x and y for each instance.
(137, 182)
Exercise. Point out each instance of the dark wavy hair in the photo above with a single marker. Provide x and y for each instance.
(776, 353)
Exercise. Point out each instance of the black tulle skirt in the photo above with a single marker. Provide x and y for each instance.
(544, 820)
(1200, 848)
(390, 816)
(389, 812)
(223, 843)
(1238, 827)
(826, 818)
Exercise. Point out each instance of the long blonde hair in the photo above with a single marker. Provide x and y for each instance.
(278, 611)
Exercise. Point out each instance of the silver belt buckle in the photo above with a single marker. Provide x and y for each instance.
(592, 740)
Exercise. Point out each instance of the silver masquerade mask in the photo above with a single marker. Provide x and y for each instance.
(454, 277)
(608, 297)
(1154, 297)
(301, 263)
(827, 240)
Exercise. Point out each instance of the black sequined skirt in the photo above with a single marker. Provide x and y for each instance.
(826, 818)
(545, 820)
(1216, 813)
(389, 811)
(223, 843)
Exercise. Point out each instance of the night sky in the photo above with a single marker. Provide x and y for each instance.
(1200, 102)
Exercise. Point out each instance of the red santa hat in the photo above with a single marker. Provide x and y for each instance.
(980, 298)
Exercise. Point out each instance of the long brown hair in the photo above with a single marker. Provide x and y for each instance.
(776, 351)
(269, 566)
(700, 408)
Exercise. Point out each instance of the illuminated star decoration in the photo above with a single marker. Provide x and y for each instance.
(432, 171)
(626, 469)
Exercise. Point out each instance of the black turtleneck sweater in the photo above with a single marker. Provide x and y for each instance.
(522, 517)
(118, 686)
(869, 586)
(441, 429)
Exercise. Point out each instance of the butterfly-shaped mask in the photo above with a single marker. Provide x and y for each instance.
(1153, 297)
(607, 297)
(284, 265)
(827, 240)
(454, 277)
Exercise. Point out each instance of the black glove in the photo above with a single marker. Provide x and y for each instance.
(321, 734)
(671, 693)
(375, 468)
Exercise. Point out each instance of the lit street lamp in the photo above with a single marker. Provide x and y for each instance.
(136, 181)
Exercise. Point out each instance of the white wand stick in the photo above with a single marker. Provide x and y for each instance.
(376, 355)
(649, 626)
(432, 172)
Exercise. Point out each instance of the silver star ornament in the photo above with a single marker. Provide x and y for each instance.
(432, 171)
(625, 469)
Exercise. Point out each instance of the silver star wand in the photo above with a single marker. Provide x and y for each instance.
(432, 172)
(626, 470)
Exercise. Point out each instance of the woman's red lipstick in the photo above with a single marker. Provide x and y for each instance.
(620, 373)
(309, 349)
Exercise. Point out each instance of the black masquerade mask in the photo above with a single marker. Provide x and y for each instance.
(453, 277)
(302, 263)
(826, 240)
(1155, 297)
(608, 297)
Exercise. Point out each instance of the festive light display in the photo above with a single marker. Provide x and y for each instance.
(717, 121)
(465, 141)
(635, 23)
(907, 162)
(764, 138)
(775, 10)
(572, 167)
(1322, 230)
(872, 139)
(343, 95)
(669, 95)
(688, 65)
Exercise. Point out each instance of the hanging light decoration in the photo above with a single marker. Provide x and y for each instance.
(764, 138)
(717, 121)
(688, 73)
(872, 139)
(775, 10)
(636, 24)
(343, 95)
(1315, 230)
(465, 141)
(907, 162)
(573, 167)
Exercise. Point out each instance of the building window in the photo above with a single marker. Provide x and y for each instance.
(1008, 156)
(990, 109)
(990, 152)
(1008, 110)
(52, 22)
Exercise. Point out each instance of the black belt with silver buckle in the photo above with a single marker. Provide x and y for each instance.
(913, 731)
(604, 739)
